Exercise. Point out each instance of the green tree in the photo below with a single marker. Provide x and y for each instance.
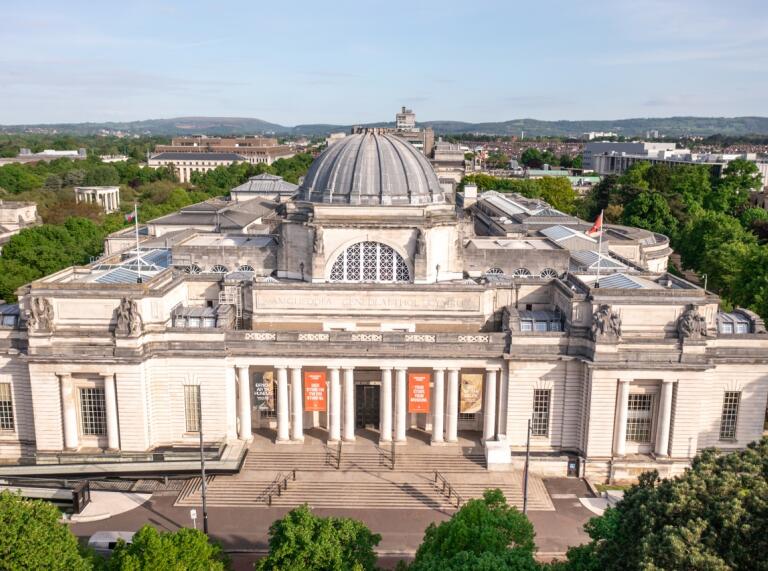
(532, 158)
(102, 175)
(709, 519)
(484, 535)
(732, 191)
(301, 540)
(557, 191)
(650, 210)
(182, 550)
(32, 537)
(752, 279)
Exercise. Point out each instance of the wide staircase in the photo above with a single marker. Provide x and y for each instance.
(362, 477)
(374, 460)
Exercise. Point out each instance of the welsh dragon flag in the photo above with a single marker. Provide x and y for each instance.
(597, 227)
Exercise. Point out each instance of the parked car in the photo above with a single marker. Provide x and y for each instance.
(104, 542)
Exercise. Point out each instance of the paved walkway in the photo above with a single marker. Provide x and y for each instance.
(245, 529)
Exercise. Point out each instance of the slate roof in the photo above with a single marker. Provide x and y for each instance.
(170, 156)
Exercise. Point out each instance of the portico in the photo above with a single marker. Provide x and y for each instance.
(407, 395)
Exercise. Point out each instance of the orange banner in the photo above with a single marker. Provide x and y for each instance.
(314, 391)
(418, 392)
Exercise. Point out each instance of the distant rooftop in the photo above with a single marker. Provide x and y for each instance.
(172, 156)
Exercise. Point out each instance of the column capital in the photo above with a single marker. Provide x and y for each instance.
(456, 369)
(348, 367)
(668, 381)
(625, 380)
(493, 368)
(281, 366)
(386, 368)
(438, 369)
(401, 368)
(295, 367)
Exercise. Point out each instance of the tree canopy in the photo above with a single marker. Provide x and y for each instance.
(484, 535)
(302, 540)
(31, 537)
(714, 517)
(182, 550)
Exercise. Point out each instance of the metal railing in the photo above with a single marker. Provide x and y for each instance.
(392, 453)
(212, 452)
(278, 485)
(447, 489)
(331, 459)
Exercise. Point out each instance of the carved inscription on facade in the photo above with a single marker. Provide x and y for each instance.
(360, 301)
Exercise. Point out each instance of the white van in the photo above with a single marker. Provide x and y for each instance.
(104, 542)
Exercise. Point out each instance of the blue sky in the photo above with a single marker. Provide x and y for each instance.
(344, 61)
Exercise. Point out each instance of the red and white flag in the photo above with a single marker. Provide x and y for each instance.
(597, 226)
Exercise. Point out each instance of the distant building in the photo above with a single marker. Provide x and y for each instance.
(108, 197)
(113, 158)
(184, 164)
(599, 135)
(253, 149)
(406, 129)
(448, 161)
(405, 120)
(334, 138)
(615, 158)
(15, 216)
(27, 156)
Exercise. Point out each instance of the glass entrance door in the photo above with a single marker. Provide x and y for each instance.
(367, 406)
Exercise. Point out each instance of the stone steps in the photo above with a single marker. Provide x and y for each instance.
(364, 461)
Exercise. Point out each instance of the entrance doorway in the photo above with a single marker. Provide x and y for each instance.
(367, 406)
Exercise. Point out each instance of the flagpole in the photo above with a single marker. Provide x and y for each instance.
(599, 248)
(136, 226)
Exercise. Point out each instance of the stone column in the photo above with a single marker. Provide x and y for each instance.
(385, 434)
(110, 402)
(401, 410)
(69, 412)
(349, 404)
(244, 403)
(283, 416)
(665, 417)
(297, 417)
(489, 414)
(452, 410)
(620, 428)
(438, 407)
(334, 423)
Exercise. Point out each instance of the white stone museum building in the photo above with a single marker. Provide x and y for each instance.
(372, 301)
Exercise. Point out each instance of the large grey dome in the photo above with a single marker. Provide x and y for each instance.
(371, 168)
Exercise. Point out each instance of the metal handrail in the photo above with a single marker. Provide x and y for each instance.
(338, 455)
(448, 490)
(281, 482)
(392, 453)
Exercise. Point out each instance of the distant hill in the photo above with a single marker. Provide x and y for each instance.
(669, 126)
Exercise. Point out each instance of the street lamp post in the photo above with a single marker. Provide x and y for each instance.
(525, 473)
(203, 487)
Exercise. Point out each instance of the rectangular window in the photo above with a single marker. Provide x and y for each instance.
(467, 416)
(93, 411)
(540, 420)
(192, 407)
(639, 418)
(6, 408)
(526, 325)
(742, 328)
(730, 415)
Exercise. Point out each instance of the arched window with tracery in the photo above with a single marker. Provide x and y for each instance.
(370, 262)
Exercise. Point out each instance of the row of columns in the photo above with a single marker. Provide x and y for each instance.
(393, 417)
(109, 200)
(69, 412)
(663, 424)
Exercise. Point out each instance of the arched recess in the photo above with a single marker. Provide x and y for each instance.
(369, 261)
